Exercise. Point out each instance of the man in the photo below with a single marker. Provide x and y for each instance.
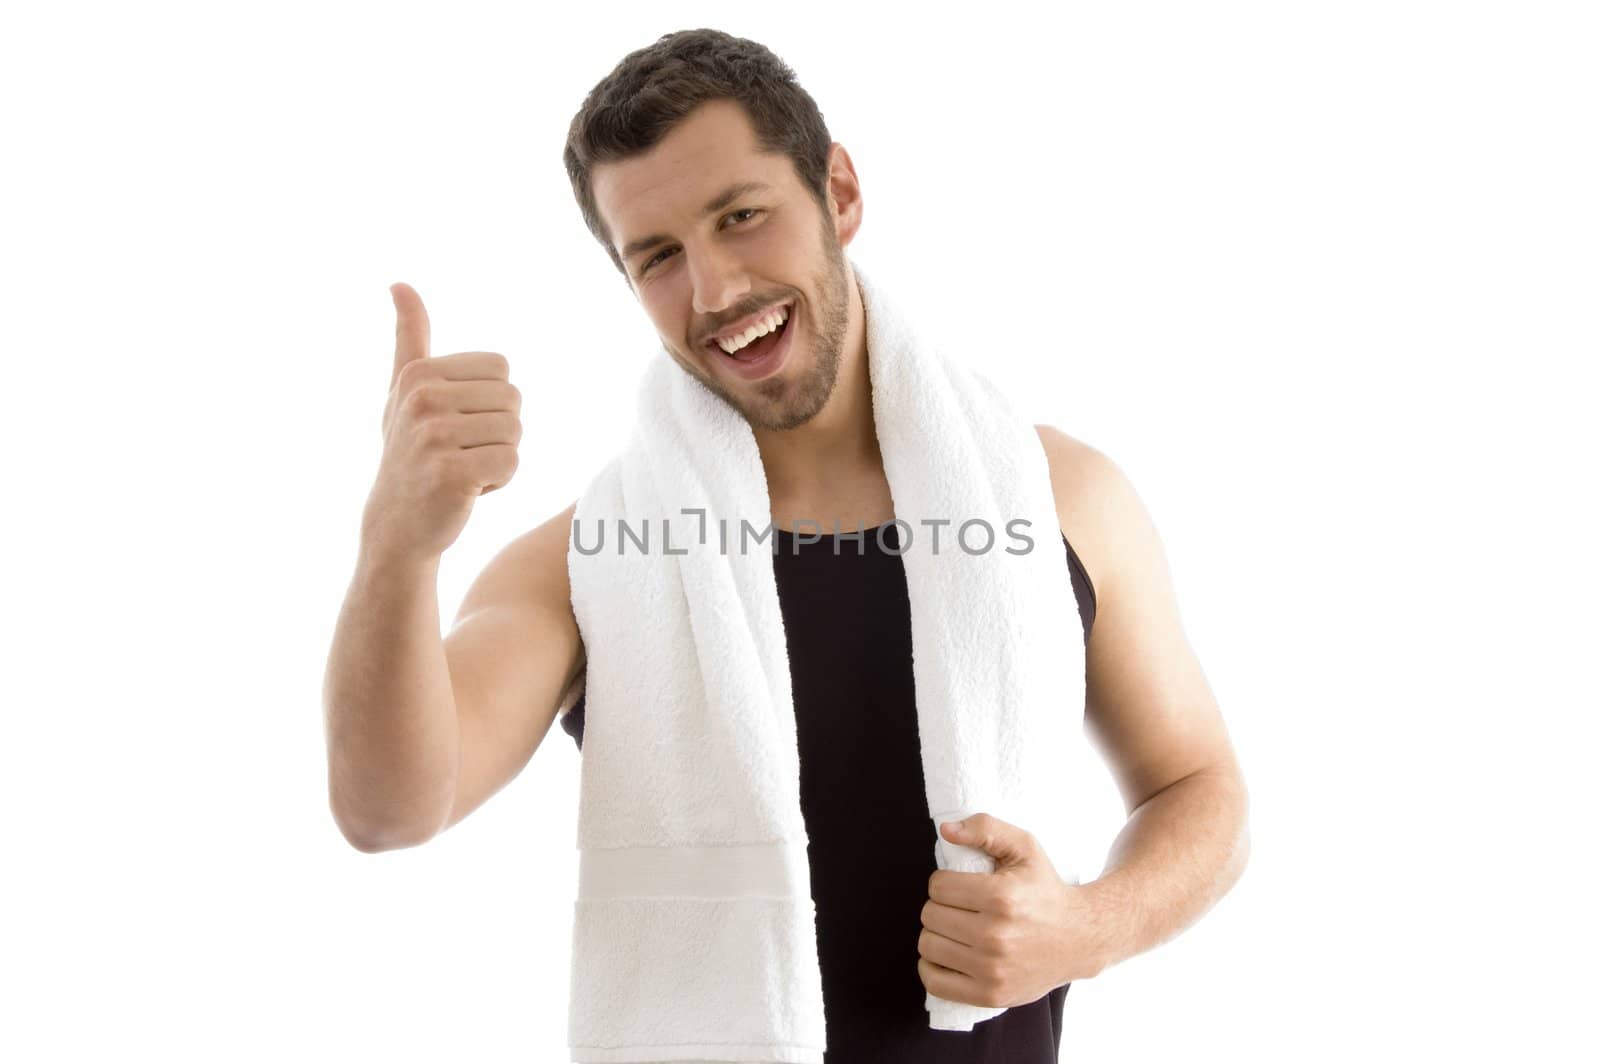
(708, 176)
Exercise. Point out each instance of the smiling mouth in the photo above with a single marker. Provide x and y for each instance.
(744, 353)
(764, 356)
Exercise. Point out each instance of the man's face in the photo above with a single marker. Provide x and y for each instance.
(710, 271)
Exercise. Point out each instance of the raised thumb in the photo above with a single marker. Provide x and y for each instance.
(410, 327)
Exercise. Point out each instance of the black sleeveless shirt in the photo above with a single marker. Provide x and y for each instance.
(847, 623)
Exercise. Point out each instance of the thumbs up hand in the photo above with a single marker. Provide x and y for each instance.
(450, 434)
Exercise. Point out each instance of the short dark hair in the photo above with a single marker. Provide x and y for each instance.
(653, 88)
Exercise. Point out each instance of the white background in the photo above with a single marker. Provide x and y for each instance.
(1321, 278)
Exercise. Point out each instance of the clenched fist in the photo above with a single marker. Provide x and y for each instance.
(450, 434)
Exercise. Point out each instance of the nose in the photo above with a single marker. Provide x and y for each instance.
(719, 281)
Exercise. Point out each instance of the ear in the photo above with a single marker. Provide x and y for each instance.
(844, 194)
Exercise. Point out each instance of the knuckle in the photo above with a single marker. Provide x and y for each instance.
(420, 399)
(432, 431)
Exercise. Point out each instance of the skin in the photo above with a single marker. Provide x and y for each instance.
(817, 443)
(514, 659)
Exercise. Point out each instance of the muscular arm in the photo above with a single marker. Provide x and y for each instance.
(515, 656)
(422, 729)
(1151, 714)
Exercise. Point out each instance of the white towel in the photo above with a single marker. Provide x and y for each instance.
(694, 932)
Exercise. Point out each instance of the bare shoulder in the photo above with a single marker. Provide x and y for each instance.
(1147, 704)
(531, 569)
(1095, 502)
(528, 580)
(515, 656)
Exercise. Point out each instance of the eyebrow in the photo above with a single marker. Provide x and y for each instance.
(719, 201)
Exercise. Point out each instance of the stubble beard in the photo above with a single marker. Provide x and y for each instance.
(780, 404)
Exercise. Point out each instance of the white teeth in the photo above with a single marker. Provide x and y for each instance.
(760, 328)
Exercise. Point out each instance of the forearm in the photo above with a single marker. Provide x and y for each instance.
(1179, 853)
(390, 713)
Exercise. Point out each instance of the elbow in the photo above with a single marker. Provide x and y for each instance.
(369, 841)
(370, 837)
(359, 837)
(1241, 859)
(362, 843)
(1230, 819)
(1241, 833)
